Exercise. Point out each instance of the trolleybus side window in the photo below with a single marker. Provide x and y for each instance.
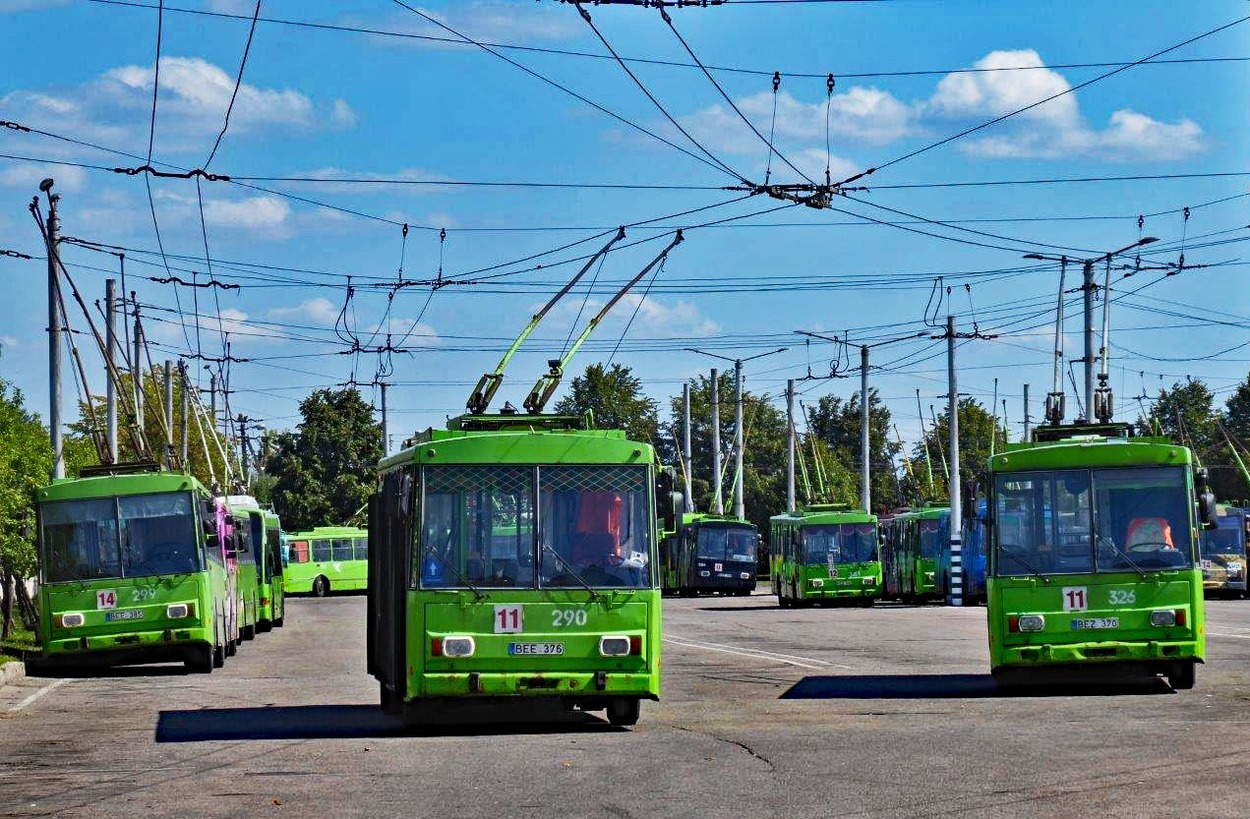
(934, 536)
(80, 540)
(298, 551)
(1143, 519)
(341, 549)
(360, 549)
(320, 550)
(158, 535)
(597, 519)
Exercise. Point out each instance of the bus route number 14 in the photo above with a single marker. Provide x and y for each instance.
(508, 620)
(1075, 598)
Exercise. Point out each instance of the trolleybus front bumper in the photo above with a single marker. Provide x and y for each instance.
(1047, 654)
(171, 644)
(537, 684)
(850, 588)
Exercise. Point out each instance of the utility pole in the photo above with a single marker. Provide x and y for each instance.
(212, 398)
(739, 507)
(242, 421)
(1088, 287)
(186, 411)
(790, 503)
(686, 455)
(386, 435)
(865, 489)
(718, 500)
(169, 414)
(1028, 420)
(110, 331)
(138, 364)
(54, 330)
(956, 520)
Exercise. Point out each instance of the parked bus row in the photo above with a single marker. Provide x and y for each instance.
(139, 565)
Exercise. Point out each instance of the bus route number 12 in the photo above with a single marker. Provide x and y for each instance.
(1075, 598)
(508, 620)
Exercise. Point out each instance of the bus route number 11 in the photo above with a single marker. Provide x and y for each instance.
(508, 620)
(1075, 598)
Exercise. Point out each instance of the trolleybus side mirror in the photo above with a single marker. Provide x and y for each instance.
(1206, 500)
(664, 499)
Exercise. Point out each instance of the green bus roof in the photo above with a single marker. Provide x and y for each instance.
(319, 532)
(824, 514)
(1090, 451)
(688, 518)
(105, 486)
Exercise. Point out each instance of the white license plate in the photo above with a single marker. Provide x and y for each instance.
(1096, 622)
(125, 614)
(541, 649)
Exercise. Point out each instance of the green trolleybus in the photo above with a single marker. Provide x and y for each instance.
(514, 558)
(825, 553)
(325, 559)
(264, 535)
(131, 570)
(1093, 561)
(1223, 552)
(710, 553)
(914, 542)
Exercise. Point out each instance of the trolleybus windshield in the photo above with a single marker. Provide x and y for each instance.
(128, 536)
(1224, 540)
(1100, 520)
(934, 536)
(734, 543)
(478, 527)
(839, 542)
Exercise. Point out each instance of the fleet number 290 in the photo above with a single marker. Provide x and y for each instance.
(562, 618)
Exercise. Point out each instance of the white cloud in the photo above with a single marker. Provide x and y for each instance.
(342, 114)
(488, 20)
(319, 311)
(265, 213)
(651, 317)
(28, 175)
(7, 342)
(1055, 129)
(417, 335)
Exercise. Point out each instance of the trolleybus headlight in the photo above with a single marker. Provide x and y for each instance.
(458, 647)
(817, 582)
(867, 580)
(1163, 618)
(70, 620)
(744, 575)
(1032, 622)
(177, 611)
(614, 645)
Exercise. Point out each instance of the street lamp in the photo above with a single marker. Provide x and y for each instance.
(739, 504)
(1096, 405)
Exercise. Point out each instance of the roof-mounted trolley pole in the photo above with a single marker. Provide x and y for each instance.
(489, 383)
(550, 381)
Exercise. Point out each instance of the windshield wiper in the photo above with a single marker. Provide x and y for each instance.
(594, 595)
(1123, 554)
(477, 593)
(1026, 565)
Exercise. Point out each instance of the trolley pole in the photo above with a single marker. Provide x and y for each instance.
(718, 500)
(169, 414)
(54, 332)
(110, 331)
(386, 435)
(1088, 287)
(1028, 429)
(186, 412)
(686, 457)
(956, 525)
(865, 489)
(739, 506)
(790, 502)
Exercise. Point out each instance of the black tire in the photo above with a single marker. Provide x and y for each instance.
(320, 586)
(279, 621)
(248, 632)
(390, 702)
(784, 602)
(624, 710)
(200, 660)
(1183, 675)
(219, 655)
(264, 626)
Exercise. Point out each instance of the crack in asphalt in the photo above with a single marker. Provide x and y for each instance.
(772, 768)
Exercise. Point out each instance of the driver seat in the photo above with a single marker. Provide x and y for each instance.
(1149, 530)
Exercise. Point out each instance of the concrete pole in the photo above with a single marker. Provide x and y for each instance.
(110, 332)
(243, 464)
(686, 455)
(1088, 289)
(169, 414)
(54, 338)
(186, 412)
(139, 370)
(865, 474)
(386, 435)
(956, 540)
(212, 399)
(739, 504)
(718, 500)
(1028, 421)
(790, 501)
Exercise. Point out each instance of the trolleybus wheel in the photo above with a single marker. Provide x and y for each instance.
(784, 602)
(248, 632)
(219, 655)
(278, 622)
(624, 710)
(200, 660)
(320, 586)
(1182, 676)
(389, 700)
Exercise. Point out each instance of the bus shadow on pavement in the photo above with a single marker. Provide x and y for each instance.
(951, 686)
(344, 722)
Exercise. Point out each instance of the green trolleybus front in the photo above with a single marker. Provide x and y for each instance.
(710, 553)
(1093, 558)
(514, 558)
(131, 571)
(826, 554)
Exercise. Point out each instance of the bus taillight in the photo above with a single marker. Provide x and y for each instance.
(635, 645)
(436, 647)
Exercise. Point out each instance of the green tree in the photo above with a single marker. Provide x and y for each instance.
(25, 464)
(1186, 414)
(1237, 424)
(614, 394)
(325, 470)
(837, 423)
(977, 429)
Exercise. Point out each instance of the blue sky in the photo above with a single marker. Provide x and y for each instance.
(332, 104)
